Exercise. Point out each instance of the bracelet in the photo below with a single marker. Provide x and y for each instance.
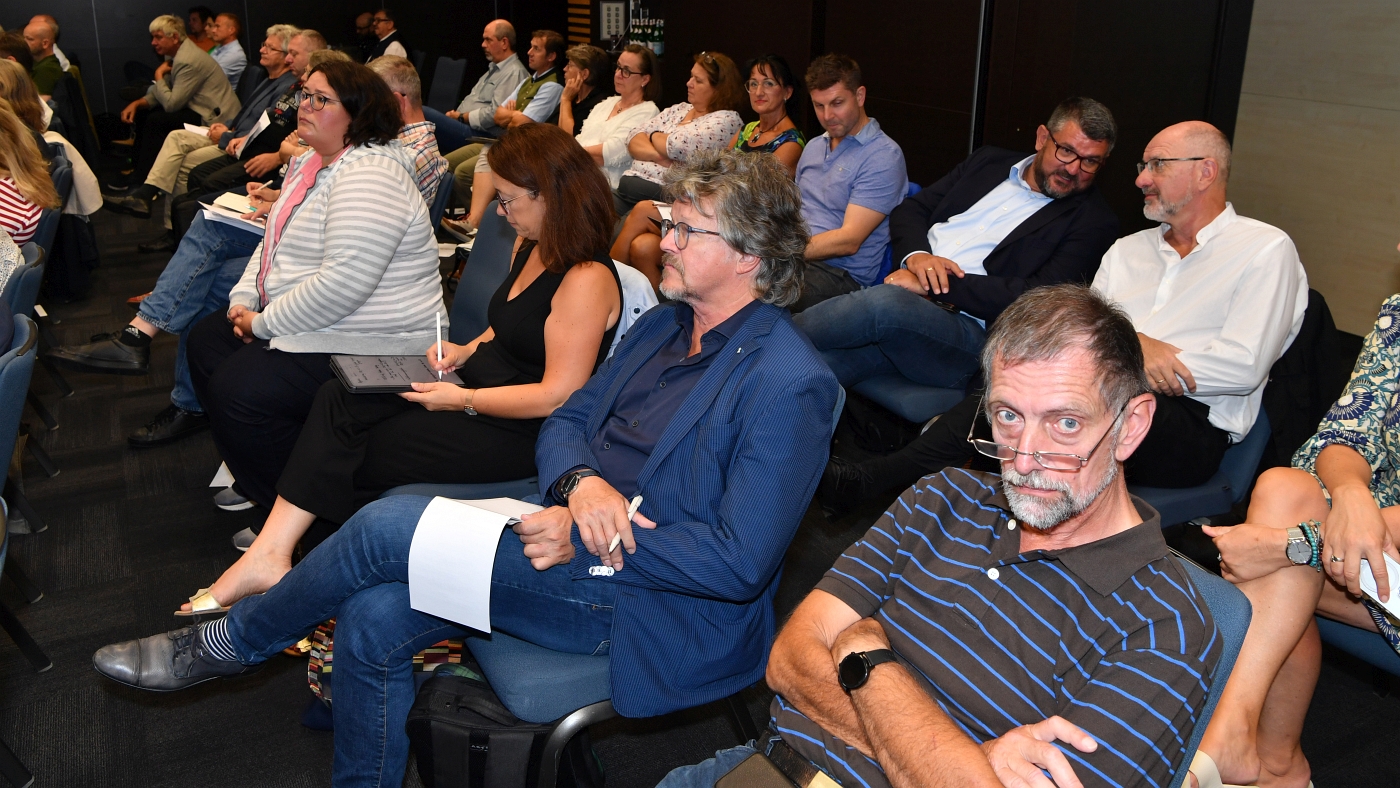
(1314, 536)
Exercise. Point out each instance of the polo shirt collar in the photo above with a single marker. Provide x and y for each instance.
(1106, 564)
(1216, 226)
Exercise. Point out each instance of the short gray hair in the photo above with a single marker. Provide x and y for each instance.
(401, 77)
(759, 211)
(172, 26)
(1047, 322)
(500, 28)
(313, 39)
(1093, 119)
(284, 33)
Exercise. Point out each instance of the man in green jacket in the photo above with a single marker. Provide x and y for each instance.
(39, 35)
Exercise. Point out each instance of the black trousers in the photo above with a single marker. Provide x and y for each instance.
(1182, 449)
(257, 399)
(150, 135)
(820, 282)
(353, 447)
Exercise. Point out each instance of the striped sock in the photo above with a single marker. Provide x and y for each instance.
(217, 643)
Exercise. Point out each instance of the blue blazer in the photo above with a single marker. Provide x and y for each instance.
(727, 485)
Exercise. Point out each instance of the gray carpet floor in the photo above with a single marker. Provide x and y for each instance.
(132, 533)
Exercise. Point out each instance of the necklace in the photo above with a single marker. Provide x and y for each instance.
(758, 130)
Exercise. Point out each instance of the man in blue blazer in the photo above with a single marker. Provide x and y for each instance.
(999, 224)
(714, 409)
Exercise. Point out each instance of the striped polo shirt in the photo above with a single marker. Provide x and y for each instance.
(1110, 635)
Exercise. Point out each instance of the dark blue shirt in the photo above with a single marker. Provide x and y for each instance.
(647, 402)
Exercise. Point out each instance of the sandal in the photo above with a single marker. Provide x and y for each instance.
(203, 604)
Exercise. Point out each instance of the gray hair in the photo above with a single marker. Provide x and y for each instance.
(401, 77)
(1047, 322)
(502, 29)
(313, 39)
(1093, 119)
(172, 26)
(759, 211)
(283, 33)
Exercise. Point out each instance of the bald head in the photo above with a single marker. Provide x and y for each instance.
(500, 28)
(48, 20)
(39, 37)
(1198, 138)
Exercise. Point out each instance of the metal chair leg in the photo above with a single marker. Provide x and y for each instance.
(739, 714)
(22, 581)
(31, 651)
(13, 770)
(18, 501)
(41, 410)
(64, 390)
(41, 456)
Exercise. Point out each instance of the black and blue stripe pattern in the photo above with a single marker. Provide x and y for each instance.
(1110, 635)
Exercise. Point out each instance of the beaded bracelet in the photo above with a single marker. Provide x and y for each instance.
(1314, 537)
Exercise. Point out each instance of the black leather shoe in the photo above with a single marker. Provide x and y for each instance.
(844, 484)
(105, 354)
(168, 426)
(135, 206)
(165, 243)
(165, 663)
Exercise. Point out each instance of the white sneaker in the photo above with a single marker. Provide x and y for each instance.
(229, 500)
(244, 540)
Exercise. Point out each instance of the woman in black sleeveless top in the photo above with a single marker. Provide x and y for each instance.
(551, 324)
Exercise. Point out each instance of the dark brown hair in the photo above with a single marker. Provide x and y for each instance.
(725, 78)
(650, 66)
(12, 44)
(374, 112)
(553, 45)
(831, 68)
(544, 159)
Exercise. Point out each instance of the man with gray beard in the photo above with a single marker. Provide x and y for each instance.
(983, 619)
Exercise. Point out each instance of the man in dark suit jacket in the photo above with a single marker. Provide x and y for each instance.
(714, 408)
(999, 224)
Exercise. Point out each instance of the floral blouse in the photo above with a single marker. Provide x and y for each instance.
(711, 131)
(1367, 416)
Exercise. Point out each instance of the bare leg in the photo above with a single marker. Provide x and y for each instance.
(638, 222)
(483, 192)
(144, 327)
(268, 559)
(1281, 759)
(646, 257)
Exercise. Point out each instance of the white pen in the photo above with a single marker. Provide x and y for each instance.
(631, 512)
(437, 318)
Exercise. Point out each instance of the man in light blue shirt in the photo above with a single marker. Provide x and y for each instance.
(229, 53)
(476, 115)
(851, 177)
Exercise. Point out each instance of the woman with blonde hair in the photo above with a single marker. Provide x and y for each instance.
(25, 186)
(17, 88)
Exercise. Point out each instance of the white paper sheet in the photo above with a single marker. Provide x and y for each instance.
(225, 216)
(222, 478)
(238, 203)
(193, 129)
(1369, 588)
(453, 554)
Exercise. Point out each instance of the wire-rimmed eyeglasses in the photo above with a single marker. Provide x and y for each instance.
(1157, 165)
(505, 204)
(1049, 460)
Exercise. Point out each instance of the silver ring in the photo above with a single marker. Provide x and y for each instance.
(1334, 559)
(1219, 558)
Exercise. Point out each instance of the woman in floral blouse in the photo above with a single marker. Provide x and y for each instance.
(1344, 490)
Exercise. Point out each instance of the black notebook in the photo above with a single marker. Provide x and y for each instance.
(386, 374)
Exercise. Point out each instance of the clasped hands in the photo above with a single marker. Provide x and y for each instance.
(242, 319)
(925, 274)
(599, 512)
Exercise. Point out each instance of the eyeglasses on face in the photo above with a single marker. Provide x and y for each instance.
(754, 84)
(505, 204)
(378, 21)
(626, 72)
(316, 101)
(266, 48)
(1067, 155)
(682, 231)
(1159, 165)
(1049, 460)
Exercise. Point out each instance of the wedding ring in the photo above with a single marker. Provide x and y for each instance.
(1219, 558)
(1334, 559)
(928, 269)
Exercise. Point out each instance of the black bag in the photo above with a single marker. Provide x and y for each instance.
(463, 737)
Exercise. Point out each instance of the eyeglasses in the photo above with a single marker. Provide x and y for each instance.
(377, 20)
(505, 204)
(626, 72)
(1157, 165)
(266, 48)
(317, 101)
(1068, 155)
(682, 231)
(1049, 460)
(754, 84)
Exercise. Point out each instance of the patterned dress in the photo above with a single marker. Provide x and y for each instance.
(1367, 418)
(711, 131)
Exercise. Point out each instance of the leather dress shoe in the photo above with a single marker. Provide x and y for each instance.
(168, 426)
(135, 206)
(165, 663)
(104, 354)
(844, 484)
(165, 243)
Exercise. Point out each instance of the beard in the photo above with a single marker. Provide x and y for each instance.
(1047, 186)
(1163, 211)
(1042, 514)
(674, 292)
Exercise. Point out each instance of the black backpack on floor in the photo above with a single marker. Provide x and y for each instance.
(463, 737)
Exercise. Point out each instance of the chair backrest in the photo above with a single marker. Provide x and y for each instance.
(61, 171)
(487, 267)
(418, 57)
(444, 193)
(1242, 460)
(888, 266)
(16, 367)
(1232, 612)
(22, 288)
(447, 83)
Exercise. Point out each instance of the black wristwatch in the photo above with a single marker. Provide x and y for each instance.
(569, 482)
(855, 668)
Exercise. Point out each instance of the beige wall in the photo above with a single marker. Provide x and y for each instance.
(1317, 144)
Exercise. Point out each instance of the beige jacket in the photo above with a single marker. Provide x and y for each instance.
(195, 81)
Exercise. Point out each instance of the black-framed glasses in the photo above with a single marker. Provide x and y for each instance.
(505, 204)
(1067, 155)
(317, 101)
(626, 72)
(378, 20)
(682, 231)
(1157, 165)
(1049, 460)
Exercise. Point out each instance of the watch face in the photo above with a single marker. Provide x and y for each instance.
(853, 671)
(1299, 552)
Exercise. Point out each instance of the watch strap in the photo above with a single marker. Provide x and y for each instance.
(879, 657)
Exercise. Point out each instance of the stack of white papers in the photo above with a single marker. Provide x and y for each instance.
(193, 129)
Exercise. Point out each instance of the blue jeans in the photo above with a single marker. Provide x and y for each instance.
(197, 280)
(451, 134)
(708, 771)
(360, 578)
(885, 329)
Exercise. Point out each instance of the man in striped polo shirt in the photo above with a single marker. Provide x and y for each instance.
(988, 629)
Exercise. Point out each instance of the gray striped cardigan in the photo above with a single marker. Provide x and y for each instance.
(357, 267)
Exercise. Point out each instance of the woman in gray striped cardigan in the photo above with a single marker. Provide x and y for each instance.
(348, 264)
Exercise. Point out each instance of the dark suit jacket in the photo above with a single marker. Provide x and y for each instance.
(727, 485)
(1062, 242)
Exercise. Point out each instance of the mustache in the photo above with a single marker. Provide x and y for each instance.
(1034, 480)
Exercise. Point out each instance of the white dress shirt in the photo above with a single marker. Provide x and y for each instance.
(62, 58)
(970, 236)
(1233, 304)
(613, 133)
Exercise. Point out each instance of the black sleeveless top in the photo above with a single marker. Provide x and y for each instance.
(515, 356)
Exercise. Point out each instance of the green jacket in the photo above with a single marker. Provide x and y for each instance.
(47, 72)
